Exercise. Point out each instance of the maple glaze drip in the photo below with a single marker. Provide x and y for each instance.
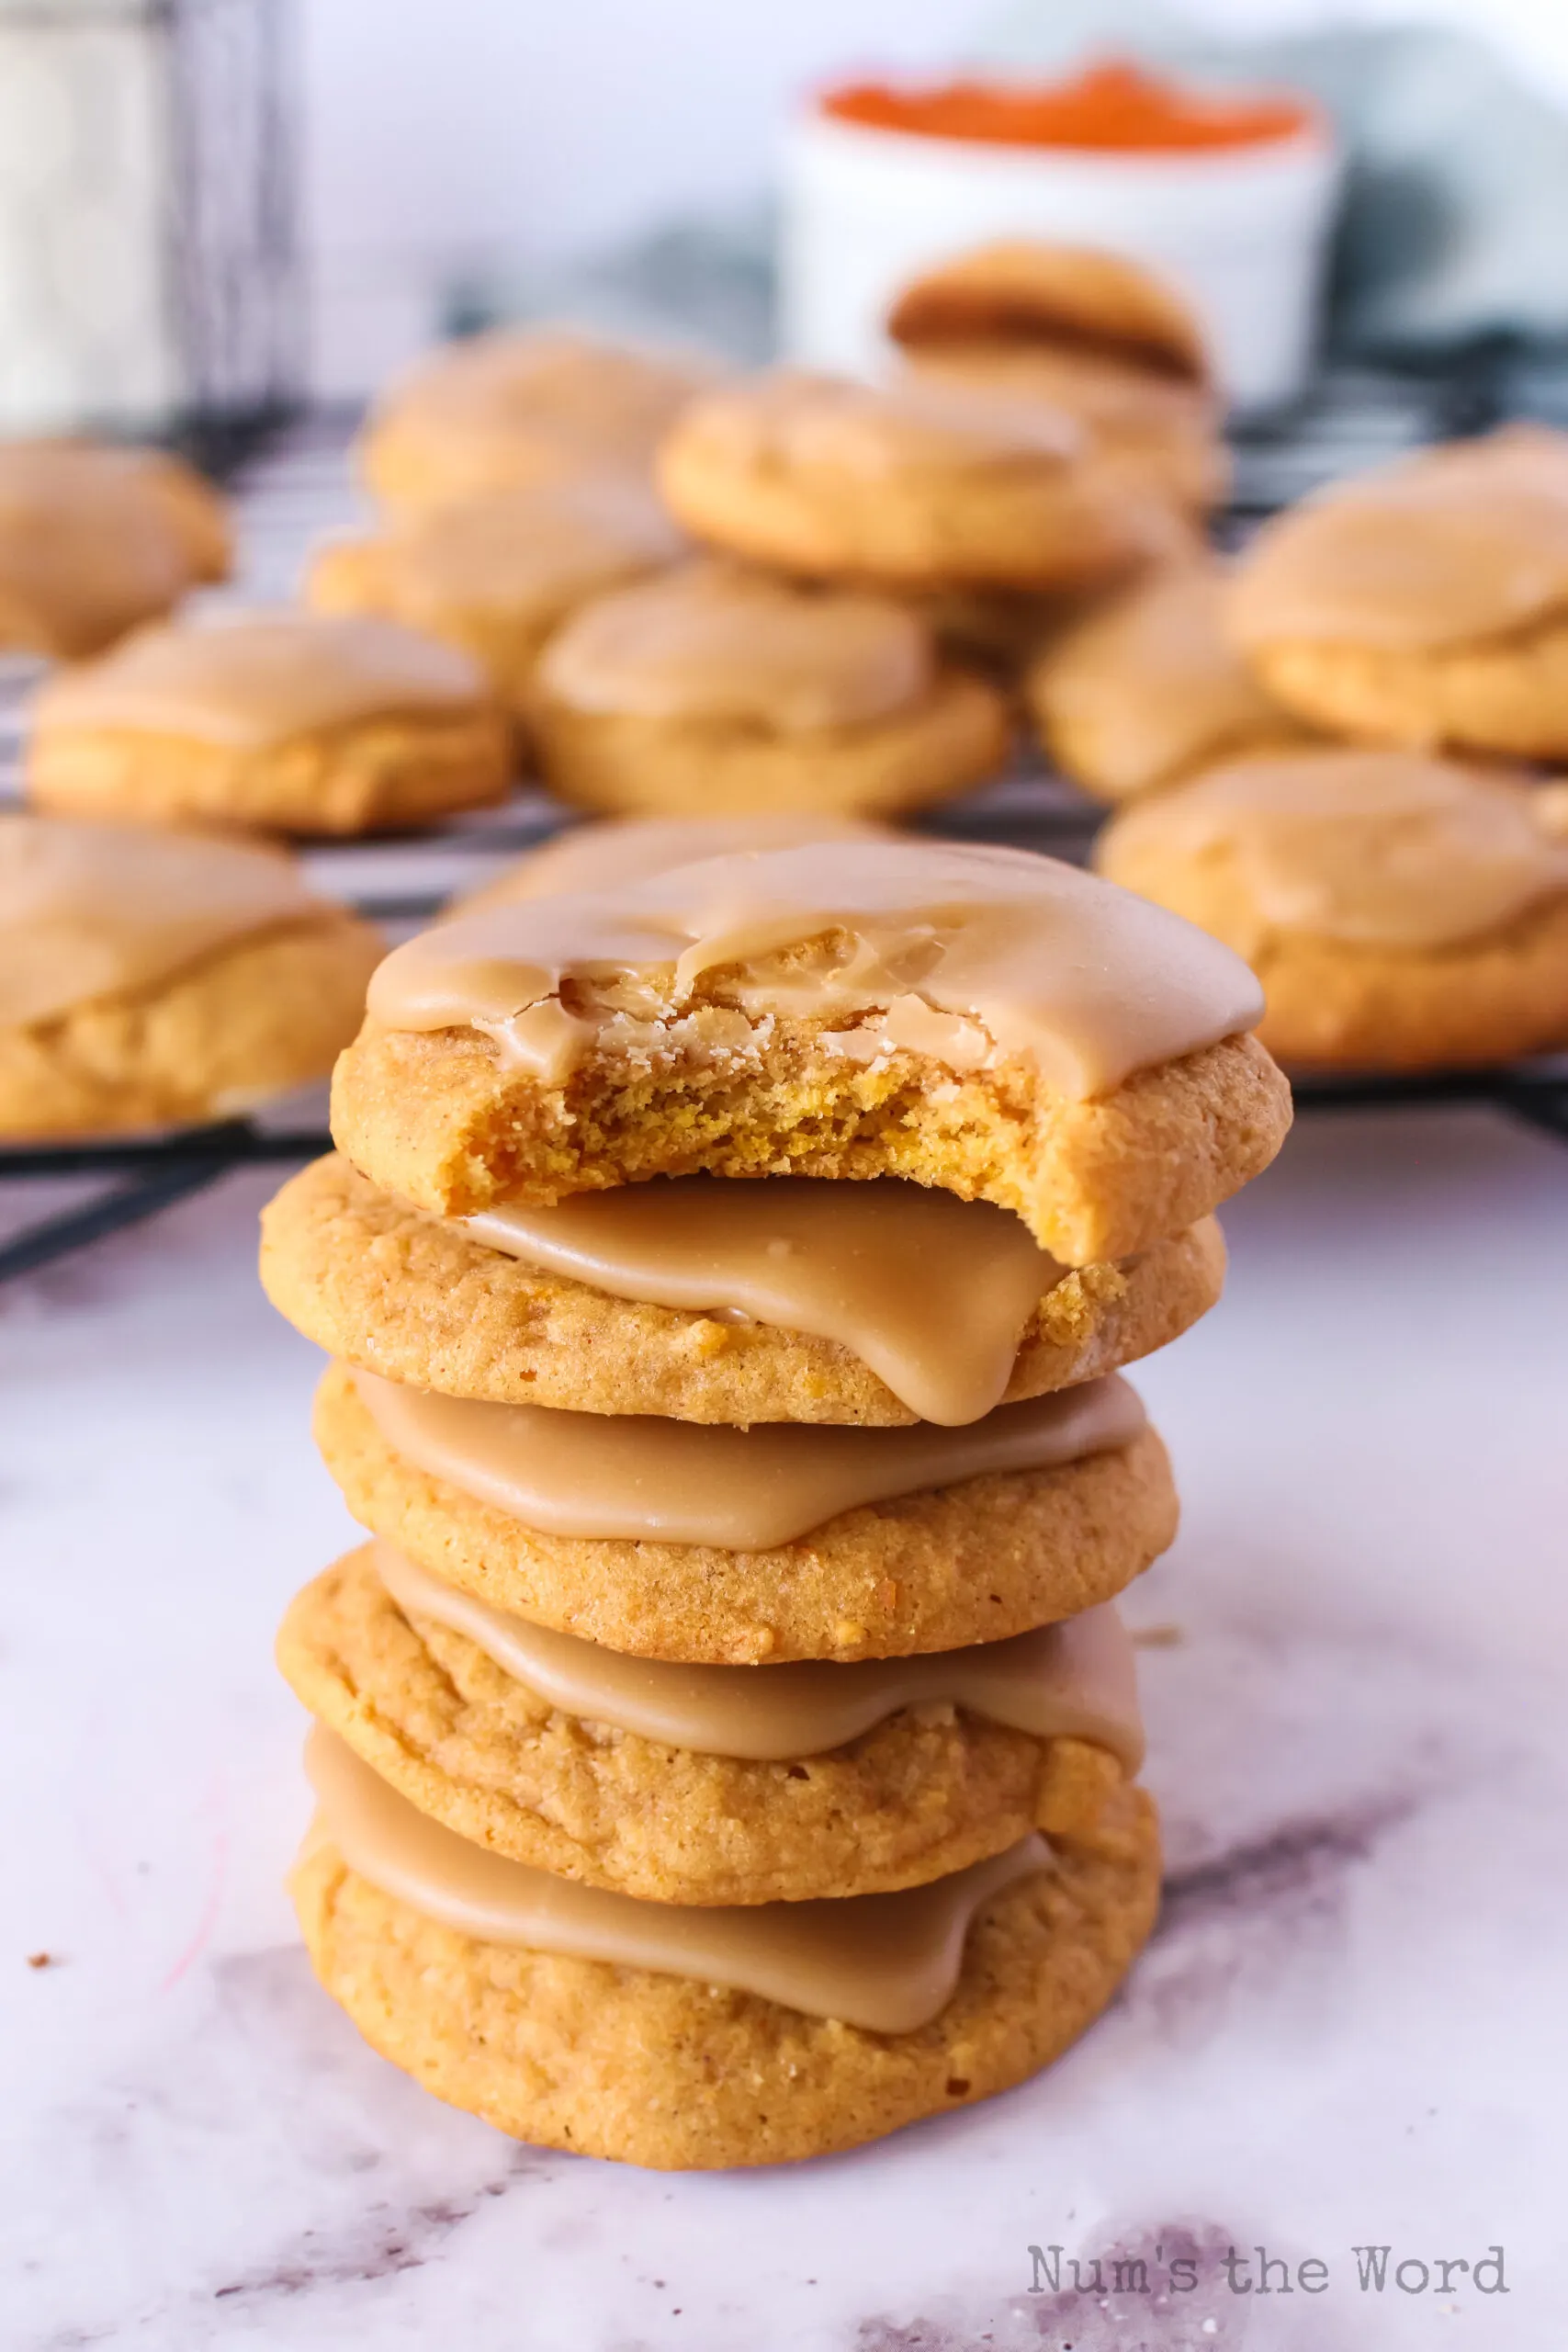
(933, 1292)
(1075, 1680)
(968, 955)
(630, 1476)
(888, 1964)
(89, 910)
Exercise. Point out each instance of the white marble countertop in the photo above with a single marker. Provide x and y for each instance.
(1350, 2030)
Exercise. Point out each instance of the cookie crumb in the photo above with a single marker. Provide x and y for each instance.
(43, 1960)
(1157, 1637)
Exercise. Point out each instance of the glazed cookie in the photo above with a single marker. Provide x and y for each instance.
(424, 1301)
(1089, 332)
(667, 2070)
(1001, 631)
(150, 977)
(295, 722)
(984, 1021)
(517, 407)
(415, 1678)
(1019, 292)
(965, 1559)
(1401, 912)
(918, 486)
(1425, 605)
(94, 540)
(496, 574)
(716, 690)
(1147, 689)
(617, 850)
(1148, 434)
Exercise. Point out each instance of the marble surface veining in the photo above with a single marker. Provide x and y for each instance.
(1348, 2031)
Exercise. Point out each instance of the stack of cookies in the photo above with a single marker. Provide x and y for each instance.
(856, 535)
(1092, 334)
(861, 553)
(725, 1749)
(798, 658)
(497, 575)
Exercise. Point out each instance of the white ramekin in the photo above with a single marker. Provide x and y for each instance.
(1241, 232)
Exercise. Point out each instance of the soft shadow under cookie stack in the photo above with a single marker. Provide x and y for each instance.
(725, 1747)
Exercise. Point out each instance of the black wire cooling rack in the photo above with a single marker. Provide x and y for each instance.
(293, 492)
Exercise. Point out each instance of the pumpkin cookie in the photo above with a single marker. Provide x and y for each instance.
(1079, 331)
(1147, 689)
(986, 1021)
(297, 722)
(918, 486)
(516, 407)
(1424, 605)
(1401, 912)
(496, 574)
(422, 1300)
(150, 977)
(94, 540)
(926, 1788)
(978, 1561)
(716, 690)
(664, 2071)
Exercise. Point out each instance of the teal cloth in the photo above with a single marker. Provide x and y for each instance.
(1455, 225)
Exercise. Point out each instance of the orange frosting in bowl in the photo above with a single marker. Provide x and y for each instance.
(1110, 107)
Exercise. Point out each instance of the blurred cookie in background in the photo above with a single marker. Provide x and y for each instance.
(715, 691)
(1003, 630)
(603, 853)
(1147, 689)
(999, 630)
(516, 407)
(1402, 911)
(1424, 604)
(496, 574)
(1078, 329)
(148, 978)
(96, 540)
(197, 512)
(288, 721)
(920, 486)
